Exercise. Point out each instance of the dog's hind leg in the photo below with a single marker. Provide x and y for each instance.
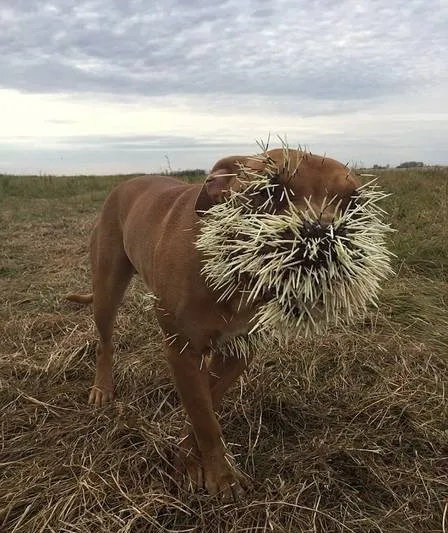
(111, 272)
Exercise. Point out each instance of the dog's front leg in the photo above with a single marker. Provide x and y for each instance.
(223, 372)
(192, 383)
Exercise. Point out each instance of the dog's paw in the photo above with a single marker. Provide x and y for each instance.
(100, 395)
(215, 472)
(188, 465)
(223, 479)
(193, 473)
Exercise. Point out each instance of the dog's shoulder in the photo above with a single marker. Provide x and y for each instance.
(151, 184)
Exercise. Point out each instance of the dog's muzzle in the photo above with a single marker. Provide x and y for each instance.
(310, 268)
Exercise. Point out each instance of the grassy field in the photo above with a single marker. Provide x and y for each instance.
(344, 433)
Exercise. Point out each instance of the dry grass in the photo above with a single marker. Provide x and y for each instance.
(346, 433)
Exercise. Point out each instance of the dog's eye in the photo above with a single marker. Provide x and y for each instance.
(354, 197)
(350, 202)
(272, 196)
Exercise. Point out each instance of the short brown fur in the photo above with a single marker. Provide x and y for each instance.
(149, 226)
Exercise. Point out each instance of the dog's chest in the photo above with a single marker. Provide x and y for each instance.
(233, 325)
(234, 339)
(228, 335)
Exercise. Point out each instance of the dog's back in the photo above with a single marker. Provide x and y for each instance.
(141, 193)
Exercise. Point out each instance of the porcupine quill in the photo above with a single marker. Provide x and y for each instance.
(310, 275)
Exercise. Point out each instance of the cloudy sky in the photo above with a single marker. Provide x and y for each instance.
(125, 86)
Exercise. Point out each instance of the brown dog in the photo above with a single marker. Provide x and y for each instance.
(149, 226)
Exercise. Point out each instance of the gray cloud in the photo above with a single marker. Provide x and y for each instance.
(137, 142)
(372, 74)
(114, 154)
(343, 51)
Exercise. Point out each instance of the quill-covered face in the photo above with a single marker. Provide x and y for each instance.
(297, 234)
(283, 177)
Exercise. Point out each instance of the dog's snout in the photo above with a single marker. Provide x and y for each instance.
(326, 219)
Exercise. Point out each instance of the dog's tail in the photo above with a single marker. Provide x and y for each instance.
(80, 298)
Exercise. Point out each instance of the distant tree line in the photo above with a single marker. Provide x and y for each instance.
(411, 164)
(406, 164)
(187, 173)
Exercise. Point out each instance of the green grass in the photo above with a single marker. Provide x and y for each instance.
(33, 197)
(418, 210)
(48, 187)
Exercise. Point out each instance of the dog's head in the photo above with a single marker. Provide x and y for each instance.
(307, 179)
(295, 233)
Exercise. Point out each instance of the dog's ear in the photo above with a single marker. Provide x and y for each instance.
(230, 164)
(214, 190)
(221, 179)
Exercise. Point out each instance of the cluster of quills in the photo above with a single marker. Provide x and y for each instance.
(301, 275)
